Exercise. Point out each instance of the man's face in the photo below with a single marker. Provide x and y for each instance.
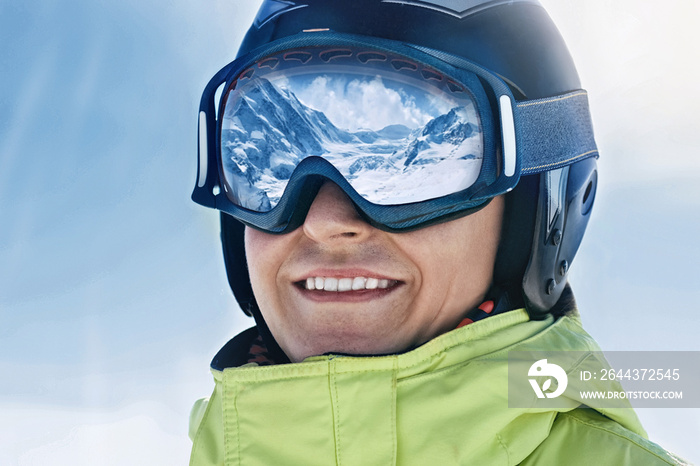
(404, 288)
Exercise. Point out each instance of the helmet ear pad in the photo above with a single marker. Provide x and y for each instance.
(566, 198)
(233, 244)
(516, 239)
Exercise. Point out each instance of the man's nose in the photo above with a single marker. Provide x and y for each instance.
(332, 218)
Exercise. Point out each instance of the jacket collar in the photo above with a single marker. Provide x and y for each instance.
(444, 402)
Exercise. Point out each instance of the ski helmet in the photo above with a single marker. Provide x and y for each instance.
(502, 60)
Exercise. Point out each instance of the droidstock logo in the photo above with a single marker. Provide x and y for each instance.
(542, 368)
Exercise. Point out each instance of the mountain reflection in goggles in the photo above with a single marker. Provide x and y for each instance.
(397, 131)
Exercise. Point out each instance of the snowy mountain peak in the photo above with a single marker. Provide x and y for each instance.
(267, 131)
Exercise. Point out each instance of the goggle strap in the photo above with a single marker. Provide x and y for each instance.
(554, 132)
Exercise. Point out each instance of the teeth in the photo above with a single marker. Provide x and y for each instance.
(347, 284)
(331, 284)
(358, 283)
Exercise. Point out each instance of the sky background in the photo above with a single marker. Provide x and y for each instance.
(113, 296)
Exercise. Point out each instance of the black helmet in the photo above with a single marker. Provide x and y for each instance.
(547, 212)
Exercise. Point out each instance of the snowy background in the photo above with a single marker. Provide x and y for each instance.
(113, 296)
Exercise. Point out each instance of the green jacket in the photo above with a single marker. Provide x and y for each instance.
(444, 403)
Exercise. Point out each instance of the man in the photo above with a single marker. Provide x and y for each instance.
(414, 178)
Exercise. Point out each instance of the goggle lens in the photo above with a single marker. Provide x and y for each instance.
(397, 131)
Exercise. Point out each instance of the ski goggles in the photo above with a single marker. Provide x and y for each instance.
(413, 136)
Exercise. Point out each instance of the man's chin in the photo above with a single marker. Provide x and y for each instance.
(354, 341)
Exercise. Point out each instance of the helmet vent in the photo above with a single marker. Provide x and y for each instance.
(589, 194)
(589, 189)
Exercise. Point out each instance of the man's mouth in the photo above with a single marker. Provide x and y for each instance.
(347, 284)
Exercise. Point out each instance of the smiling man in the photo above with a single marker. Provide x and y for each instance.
(337, 284)
(403, 187)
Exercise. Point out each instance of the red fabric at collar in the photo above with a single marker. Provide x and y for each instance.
(486, 309)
